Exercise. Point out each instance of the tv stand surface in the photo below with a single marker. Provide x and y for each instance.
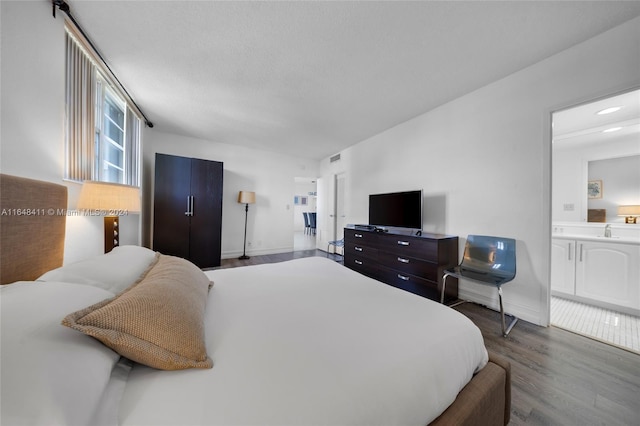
(414, 263)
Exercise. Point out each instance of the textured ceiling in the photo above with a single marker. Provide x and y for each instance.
(311, 78)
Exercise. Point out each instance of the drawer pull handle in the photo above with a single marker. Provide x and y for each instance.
(358, 262)
(403, 243)
(403, 260)
(358, 248)
(357, 235)
(403, 277)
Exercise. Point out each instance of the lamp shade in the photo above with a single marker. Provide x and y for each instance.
(246, 197)
(628, 210)
(110, 197)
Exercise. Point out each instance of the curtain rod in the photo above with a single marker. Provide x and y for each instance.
(64, 7)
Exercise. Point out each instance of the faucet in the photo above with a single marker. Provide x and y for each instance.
(607, 231)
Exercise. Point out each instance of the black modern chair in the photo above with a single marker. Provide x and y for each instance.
(307, 224)
(312, 222)
(490, 261)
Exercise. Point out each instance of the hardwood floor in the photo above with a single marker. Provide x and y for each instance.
(558, 378)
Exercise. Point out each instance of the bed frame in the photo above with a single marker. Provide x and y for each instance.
(33, 244)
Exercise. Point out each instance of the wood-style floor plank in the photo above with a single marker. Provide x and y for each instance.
(558, 377)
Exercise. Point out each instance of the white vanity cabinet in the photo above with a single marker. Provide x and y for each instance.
(608, 272)
(563, 266)
(600, 271)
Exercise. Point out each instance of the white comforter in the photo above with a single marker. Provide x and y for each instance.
(311, 342)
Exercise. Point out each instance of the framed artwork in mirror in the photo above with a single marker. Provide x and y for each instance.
(594, 189)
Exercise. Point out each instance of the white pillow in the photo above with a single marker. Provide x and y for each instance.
(114, 271)
(51, 375)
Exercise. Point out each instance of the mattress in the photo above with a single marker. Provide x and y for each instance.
(311, 342)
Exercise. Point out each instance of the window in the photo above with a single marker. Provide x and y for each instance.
(102, 136)
(109, 139)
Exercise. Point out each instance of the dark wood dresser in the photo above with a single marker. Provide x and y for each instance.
(412, 263)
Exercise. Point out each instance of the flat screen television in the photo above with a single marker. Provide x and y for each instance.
(396, 209)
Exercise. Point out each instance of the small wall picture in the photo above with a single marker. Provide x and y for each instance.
(300, 200)
(594, 189)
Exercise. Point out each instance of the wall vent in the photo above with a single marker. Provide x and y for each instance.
(334, 158)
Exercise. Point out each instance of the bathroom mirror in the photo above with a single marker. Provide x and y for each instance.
(596, 159)
(613, 182)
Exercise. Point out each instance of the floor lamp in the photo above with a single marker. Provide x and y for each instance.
(246, 198)
(109, 200)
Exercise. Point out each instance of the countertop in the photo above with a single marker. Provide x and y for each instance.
(601, 239)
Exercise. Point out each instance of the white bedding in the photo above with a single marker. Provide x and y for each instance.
(311, 342)
(300, 342)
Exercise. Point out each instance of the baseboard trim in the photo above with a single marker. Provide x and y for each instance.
(489, 297)
(253, 252)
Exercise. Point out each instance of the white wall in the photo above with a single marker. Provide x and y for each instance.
(32, 115)
(484, 160)
(269, 175)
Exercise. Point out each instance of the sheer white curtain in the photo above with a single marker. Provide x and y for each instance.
(80, 113)
(132, 154)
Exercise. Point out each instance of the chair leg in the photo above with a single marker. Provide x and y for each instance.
(444, 284)
(505, 329)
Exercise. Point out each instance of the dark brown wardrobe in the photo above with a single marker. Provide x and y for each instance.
(187, 209)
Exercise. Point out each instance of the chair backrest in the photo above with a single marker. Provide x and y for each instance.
(488, 255)
(312, 219)
(306, 219)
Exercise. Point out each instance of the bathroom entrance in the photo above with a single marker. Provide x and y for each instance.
(595, 192)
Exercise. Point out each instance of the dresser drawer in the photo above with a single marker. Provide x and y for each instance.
(410, 283)
(410, 246)
(363, 237)
(360, 250)
(409, 265)
(361, 264)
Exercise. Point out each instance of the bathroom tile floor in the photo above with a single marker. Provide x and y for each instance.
(608, 326)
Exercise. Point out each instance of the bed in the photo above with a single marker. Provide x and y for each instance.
(300, 342)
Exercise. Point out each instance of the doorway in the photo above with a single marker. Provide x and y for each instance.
(340, 213)
(595, 172)
(305, 202)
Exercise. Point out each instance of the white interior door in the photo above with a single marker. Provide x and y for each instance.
(341, 216)
(326, 218)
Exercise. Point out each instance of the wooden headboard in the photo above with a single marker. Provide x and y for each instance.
(32, 227)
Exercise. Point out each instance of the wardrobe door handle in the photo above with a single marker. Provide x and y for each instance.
(188, 212)
(580, 252)
(570, 248)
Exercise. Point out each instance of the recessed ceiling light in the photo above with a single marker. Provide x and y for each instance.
(612, 129)
(609, 110)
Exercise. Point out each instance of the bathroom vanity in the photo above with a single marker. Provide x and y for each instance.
(601, 270)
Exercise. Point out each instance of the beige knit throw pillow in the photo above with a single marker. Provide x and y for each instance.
(158, 321)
